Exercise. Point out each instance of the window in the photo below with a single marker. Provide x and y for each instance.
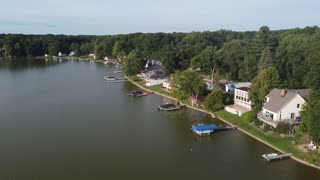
(298, 105)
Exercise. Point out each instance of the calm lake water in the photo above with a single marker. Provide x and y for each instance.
(63, 121)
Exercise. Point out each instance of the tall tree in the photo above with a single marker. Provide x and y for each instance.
(248, 68)
(265, 81)
(311, 114)
(207, 60)
(214, 101)
(188, 83)
(232, 57)
(133, 63)
(266, 59)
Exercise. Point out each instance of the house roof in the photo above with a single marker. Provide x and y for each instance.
(244, 88)
(277, 101)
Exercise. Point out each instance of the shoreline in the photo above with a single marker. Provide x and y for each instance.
(227, 122)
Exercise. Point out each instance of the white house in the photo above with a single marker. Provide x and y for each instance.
(92, 56)
(72, 53)
(109, 59)
(242, 103)
(167, 86)
(155, 81)
(283, 105)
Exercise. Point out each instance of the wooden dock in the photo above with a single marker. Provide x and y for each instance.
(221, 128)
(277, 157)
(170, 107)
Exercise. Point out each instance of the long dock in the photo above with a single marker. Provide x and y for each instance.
(277, 157)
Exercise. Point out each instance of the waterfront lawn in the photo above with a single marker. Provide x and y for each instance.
(286, 144)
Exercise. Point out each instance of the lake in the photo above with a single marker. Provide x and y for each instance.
(62, 120)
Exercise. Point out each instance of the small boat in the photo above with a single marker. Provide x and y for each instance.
(117, 72)
(115, 79)
(110, 78)
(203, 129)
(276, 156)
(269, 155)
(138, 93)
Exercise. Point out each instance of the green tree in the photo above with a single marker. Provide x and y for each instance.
(311, 114)
(232, 57)
(214, 101)
(265, 81)
(188, 83)
(99, 50)
(133, 63)
(265, 59)
(248, 68)
(207, 60)
(53, 49)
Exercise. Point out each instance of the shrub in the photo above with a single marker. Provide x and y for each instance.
(266, 127)
(282, 128)
(248, 117)
(257, 122)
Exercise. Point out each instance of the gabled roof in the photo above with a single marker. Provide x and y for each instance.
(277, 102)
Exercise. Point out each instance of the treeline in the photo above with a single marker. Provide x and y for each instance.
(236, 55)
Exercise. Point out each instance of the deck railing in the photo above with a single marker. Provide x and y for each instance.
(274, 123)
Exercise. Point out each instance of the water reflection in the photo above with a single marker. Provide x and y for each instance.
(20, 64)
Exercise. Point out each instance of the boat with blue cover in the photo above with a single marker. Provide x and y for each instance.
(207, 129)
(203, 129)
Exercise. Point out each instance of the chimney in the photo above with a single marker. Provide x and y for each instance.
(283, 92)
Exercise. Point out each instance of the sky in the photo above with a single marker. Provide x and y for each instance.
(102, 17)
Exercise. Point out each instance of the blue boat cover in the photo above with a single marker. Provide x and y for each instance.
(204, 127)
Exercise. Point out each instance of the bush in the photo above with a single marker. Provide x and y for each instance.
(248, 117)
(266, 127)
(228, 99)
(257, 122)
(282, 128)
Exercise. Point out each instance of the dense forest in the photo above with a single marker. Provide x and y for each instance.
(236, 55)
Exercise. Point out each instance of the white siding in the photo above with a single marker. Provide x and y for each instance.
(152, 82)
(291, 107)
(241, 98)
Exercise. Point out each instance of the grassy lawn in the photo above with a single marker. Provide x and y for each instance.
(286, 144)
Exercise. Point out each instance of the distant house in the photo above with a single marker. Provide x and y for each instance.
(283, 106)
(152, 78)
(109, 59)
(242, 103)
(152, 73)
(167, 86)
(61, 55)
(155, 81)
(72, 53)
(153, 65)
(230, 87)
(92, 56)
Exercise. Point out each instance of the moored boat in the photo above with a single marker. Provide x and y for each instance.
(138, 93)
(115, 79)
(110, 78)
(203, 129)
